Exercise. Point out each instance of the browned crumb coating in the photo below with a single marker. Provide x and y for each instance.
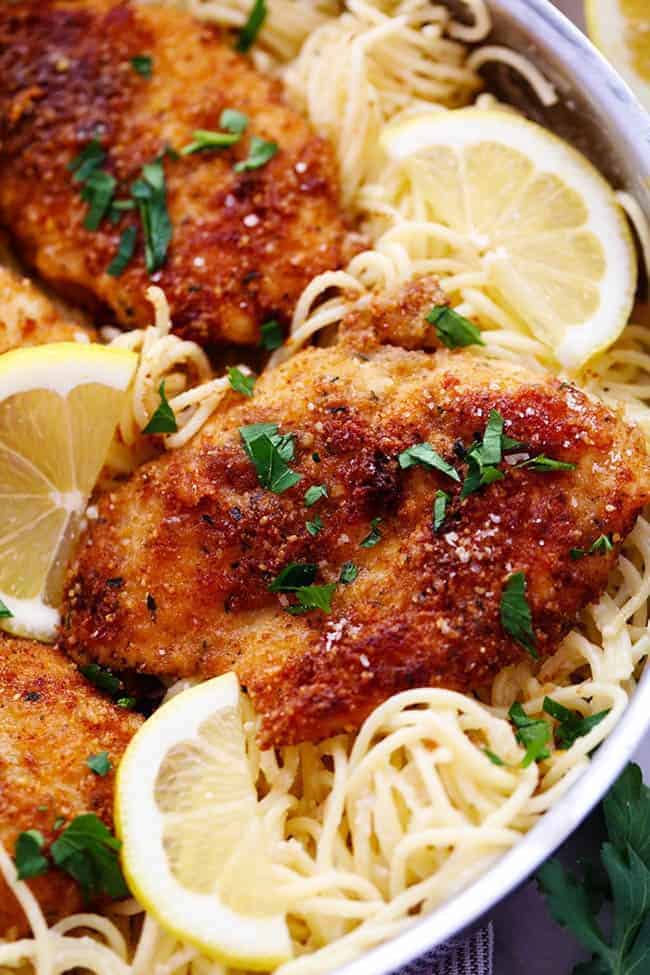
(172, 578)
(244, 244)
(51, 721)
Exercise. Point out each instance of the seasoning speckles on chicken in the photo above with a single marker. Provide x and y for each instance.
(244, 244)
(195, 535)
(51, 721)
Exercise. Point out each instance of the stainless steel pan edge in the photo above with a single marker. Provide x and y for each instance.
(600, 115)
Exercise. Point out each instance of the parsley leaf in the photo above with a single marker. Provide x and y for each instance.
(125, 251)
(97, 192)
(259, 153)
(233, 121)
(440, 503)
(349, 573)
(251, 28)
(100, 763)
(269, 452)
(601, 546)
(373, 536)
(30, 862)
(128, 703)
(240, 381)
(426, 456)
(162, 419)
(103, 678)
(572, 725)
(142, 64)
(315, 526)
(494, 758)
(544, 463)
(272, 337)
(453, 329)
(150, 192)
(314, 494)
(90, 158)
(313, 597)
(483, 457)
(205, 139)
(576, 901)
(88, 851)
(5, 612)
(516, 618)
(534, 734)
(294, 576)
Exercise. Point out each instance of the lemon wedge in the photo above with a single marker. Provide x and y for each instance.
(59, 406)
(538, 218)
(193, 846)
(621, 29)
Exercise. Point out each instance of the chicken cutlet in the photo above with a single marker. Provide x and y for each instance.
(30, 317)
(248, 229)
(378, 570)
(51, 721)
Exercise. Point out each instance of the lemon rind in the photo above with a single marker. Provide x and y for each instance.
(62, 366)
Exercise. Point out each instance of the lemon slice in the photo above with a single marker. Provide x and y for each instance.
(59, 406)
(537, 217)
(621, 29)
(193, 846)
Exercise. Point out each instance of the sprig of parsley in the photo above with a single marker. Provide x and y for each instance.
(424, 455)
(150, 193)
(297, 578)
(534, 734)
(582, 904)
(241, 382)
(260, 152)
(30, 861)
(571, 724)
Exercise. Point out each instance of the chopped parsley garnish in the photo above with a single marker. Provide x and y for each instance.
(100, 763)
(601, 546)
(30, 861)
(426, 456)
(59, 822)
(233, 121)
(293, 576)
(349, 573)
(142, 64)
(97, 192)
(269, 451)
(162, 419)
(373, 536)
(125, 251)
(483, 457)
(315, 526)
(544, 463)
(252, 27)
(205, 139)
(572, 724)
(88, 851)
(128, 703)
(297, 578)
(452, 329)
(5, 612)
(440, 503)
(89, 159)
(272, 337)
(103, 678)
(516, 618)
(240, 381)
(534, 734)
(150, 192)
(259, 153)
(314, 494)
(494, 758)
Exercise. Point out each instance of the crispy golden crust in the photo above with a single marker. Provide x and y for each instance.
(51, 720)
(30, 317)
(244, 245)
(172, 578)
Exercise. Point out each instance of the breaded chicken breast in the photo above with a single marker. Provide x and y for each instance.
(183, 572)
(51, 721)
(243, 243)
